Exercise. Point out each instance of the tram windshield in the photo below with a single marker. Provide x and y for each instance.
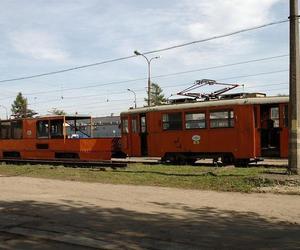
(78, 127)
(72, 127)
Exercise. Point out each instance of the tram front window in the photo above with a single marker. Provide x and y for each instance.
(43, 129)
(56, 129)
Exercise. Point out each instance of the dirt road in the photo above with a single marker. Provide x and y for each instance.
(48, 214)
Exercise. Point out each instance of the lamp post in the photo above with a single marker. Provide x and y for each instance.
(5, 111)
(130, 90)
(149, 73)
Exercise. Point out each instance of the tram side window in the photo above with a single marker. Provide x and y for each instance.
(274, 112)
(172, 121)
(222, 119)
(125, 126)
(16, 130)
(143, 124)
(43, 129)
(195, 120)
(5, 130)
(56, 129)
(134, 128)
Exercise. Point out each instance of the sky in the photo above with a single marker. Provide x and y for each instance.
(39, 36)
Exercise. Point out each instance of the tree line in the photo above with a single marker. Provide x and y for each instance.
(20, 109)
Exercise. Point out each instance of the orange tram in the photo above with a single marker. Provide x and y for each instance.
(53, 138)
(230, 131)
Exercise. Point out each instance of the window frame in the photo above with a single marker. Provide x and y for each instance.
(123, 125)
(14, 128)
(8, 130)
(134, 125)
(229, 119)
(168, 122)
(38, 136)
(58, 123)
(195, 112)
(275, 119)
(143, 124)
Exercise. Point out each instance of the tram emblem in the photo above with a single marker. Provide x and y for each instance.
(196, 139)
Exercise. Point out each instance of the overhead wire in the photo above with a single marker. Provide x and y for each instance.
(146, 52)
(251, 75)
(153, 77)
(120, 101)
(222, 66)
(126, 101)
(139, 90)
(177, 85)
(164, 75)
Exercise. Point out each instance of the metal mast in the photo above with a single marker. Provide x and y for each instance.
(294, 103)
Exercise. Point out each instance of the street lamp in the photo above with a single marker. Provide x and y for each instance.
(130, 90)
(149, 73)
(5, 111)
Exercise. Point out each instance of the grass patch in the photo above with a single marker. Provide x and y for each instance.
(187, 177)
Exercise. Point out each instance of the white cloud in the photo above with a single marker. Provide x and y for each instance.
(188, 20)
(96, 30)
(206, 18)
(38, 45)
(221, 16)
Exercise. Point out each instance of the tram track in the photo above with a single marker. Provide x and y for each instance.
(67, 163)
(123, 162)
(115, 163)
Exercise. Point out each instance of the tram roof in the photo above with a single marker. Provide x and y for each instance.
(50, 117)
(67, 117)
(211, 103)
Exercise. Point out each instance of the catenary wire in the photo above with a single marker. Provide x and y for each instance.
(125, 101)
(92, 104)
(147, 52)
(244, 76)
(140, 90)
(153, 77)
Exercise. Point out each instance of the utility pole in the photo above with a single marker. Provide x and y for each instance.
(294, 103)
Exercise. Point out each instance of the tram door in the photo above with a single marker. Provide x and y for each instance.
(143, 135)
(270, 130)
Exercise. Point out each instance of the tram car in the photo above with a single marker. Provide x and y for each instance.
(236, 129)
(53, 138)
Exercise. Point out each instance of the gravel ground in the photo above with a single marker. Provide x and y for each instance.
(52, 214)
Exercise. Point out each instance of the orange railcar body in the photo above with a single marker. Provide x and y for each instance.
(29, 146)
(242, 140)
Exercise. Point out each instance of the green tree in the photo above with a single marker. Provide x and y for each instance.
(19, 108)
(56, 111)
(156, 96)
